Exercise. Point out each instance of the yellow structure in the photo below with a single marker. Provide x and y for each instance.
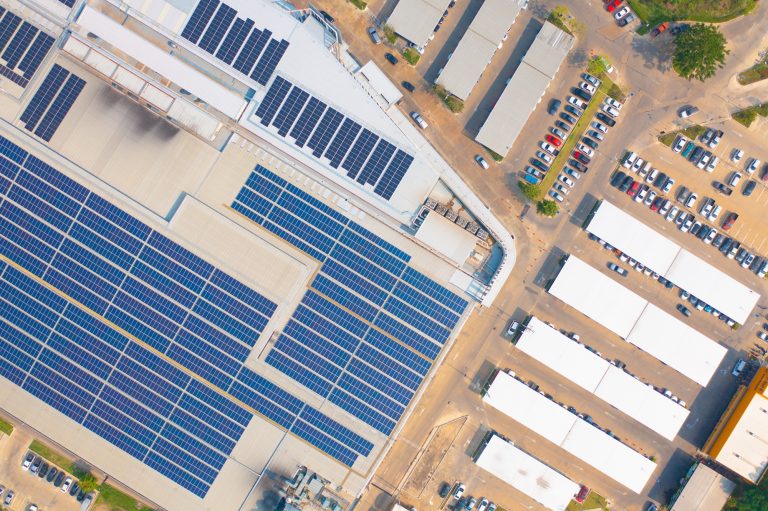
(740, 439)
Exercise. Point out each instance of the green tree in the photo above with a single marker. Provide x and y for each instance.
(751, 498)
(699, 52)
(596, 66)
(531, 192)
(88, 483)
(547, 207)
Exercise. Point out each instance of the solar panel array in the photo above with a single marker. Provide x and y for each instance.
(133, 336)
(214, 27)
(51, 102)
(22, 48)
(340, 141)
(369, 328)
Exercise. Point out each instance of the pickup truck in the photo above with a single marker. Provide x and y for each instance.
(722, 188)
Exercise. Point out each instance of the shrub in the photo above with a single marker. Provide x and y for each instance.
(389, 33)
(359, 4)
(411, 56)
(496, 156)
(745, 117)
(453, 103)
(531, 192)
(547, 208)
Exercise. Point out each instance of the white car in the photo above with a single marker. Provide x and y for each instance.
(734, 179)
(651, 177)
(712, 164)
(629, 159)
(567, 181)
(672, 213)
(483, 506)
(572, 173)
(609, 110)
(615, 104)
(703, 161)
(680, 142)
(588, 87)
(544, 156)
(600, 127)
(481, 161)
(577, 102)
(28, 459)
(591, 79)
(665, 207)
(66, 485)
(687, 224)
(707, 208)
(586, 150)
(710, 236)
(650, 198)
(637, 165)
(691, 200)
(753, 164)
(715, 213)
(737, 155)
(459, 492)
(621, 13)
(642, 193)
(549, 148)
(560, 188)
(418, 119)
(556, 196)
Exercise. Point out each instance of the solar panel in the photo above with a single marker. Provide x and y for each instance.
(376, 163)
(307, 121)
(394, 174)
(8, 26)
(199, 20)
(218, 27)
(60, 107)
(272, 101)
(269, 61)
(234, 40)
(251, 50)
(359, 153)
(342, 142)
(43, 96)
(19, 44)
(290, 110)
(68, 3)
(31, 61)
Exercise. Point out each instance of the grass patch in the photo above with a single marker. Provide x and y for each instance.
(691, 132)
(389, 34)
(593, 501)
(116, 500)
(359, 4)
(748, 115)
(562, 19)
(754, 74)
(411, 56)
(52, 456)
(496, 156)
(453, 103)
(654, 12)
(6, 427)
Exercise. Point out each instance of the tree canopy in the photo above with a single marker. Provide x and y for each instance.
(699, 52)
(751, 498)
(547, 208)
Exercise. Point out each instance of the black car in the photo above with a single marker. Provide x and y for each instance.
(52, 474)
(749, 188)
(567, 118)
(589, 142)
(704, 232)
(573, 110)
(74, 489)
(618, 178)
(696, 154)
(726, 246)
(577, 165)
(43, 470)
(59, 478)
(685, 311)
(608, 121)
(722, 188)
(408, 86)
(660, 180)
(581, 93)
(718, 240)
(563, 126)
(624, 186)
(536, 163)
(679, 29)
(445, 489)
(553, 106)
(391, 58)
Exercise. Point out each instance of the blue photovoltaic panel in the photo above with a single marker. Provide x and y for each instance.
(34, 57)
(199, 20)
(68, 3)
(373, 253)
(359, 153)
(19, 44)
(8, 26)
(308, 358)
(316, 343)
(330, 426)
(218, 27)
(298, 373)
(342, 142)
(383, 363)
(251, 50)
(272, 101)
(376, 163)
(312, 435)
(269, 61)
(380, 382)
(325, 130)
(394, 174)
(376, 240)
(426, 305)
(43, 96)
(431, 288)
(415, 318)
(307, 121)
(362, 411)
(234, 40)
(326, 328)
(60, 107)
(407, 336)
(291, 108)
(354, 281)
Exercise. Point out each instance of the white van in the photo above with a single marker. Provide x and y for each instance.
(740, 365)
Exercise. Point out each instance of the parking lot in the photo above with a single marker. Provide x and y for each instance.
(28, 487)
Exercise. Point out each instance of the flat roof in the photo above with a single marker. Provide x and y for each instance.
(525, 89)
(652, 248)
(446, 237)
(595, 374)
(555, 423)
(611, 457)
(597, 296)
(706, 490)
(478, 45)
(526, 474)
(416, 19)
(678, 345)
(639, 241)
(531, 409)
(381, 83)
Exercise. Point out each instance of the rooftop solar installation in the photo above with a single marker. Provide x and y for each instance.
(135, 337)
(370, 326)
(51, 102)
(213, 27)
(366, 157)
(22, 48)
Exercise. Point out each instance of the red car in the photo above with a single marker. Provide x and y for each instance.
(613, 5)
(582, 495)
(633, 189)
(730, 220)
(583, 158)
(554, 140)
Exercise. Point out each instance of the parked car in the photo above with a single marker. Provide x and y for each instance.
(737, 155)
(586, 86)
(9, 498)
(408, 86)
(577, 102)
(572, 110)
(752, 165)
(539, 164)
(599, 127)
(553, 140)
(558, 133)
(563, 125)
(567, 118)
(391, 58)
(459, 491)
(691, 200)
(609, 110)
(544, 156)
(720, 187)
(660, 29)
(679, 143)
(687, 111)
(596, 135)
(583, 492)
(605, 119)
(374, 35)
(581, 94)
(730, 220)
(481, 161)
(589, 142)
(591, 79)
(27, 461)
(614, 103)
(549, 148)
(445, 489)
(419, 120)
(618, 269)
(621, 13)
(67, 483)
(749, 188)
(554, 105)
(612, 5)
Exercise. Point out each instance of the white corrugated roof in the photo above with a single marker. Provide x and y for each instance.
(381, 83)
(526, 474)
(706, 490)
(416, 19)
(446, 237)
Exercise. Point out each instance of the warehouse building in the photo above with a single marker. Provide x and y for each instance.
(525, 89)
(478, 45)
(740, 439)
(415, 20)
(703, 490)
(638, 321)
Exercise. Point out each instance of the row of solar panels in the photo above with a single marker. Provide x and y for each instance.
(22, 48)
(367, 158)
(368, 330)
(236, 42)
(120, 275)
(51, 102)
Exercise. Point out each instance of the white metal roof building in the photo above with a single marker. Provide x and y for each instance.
(526, 474)
(632, 318)
(594, 374)
(667, 258)
(415, 20)
(553, 422)
(446, 237)
(705, 490)
(478, 45)
(525, 89)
